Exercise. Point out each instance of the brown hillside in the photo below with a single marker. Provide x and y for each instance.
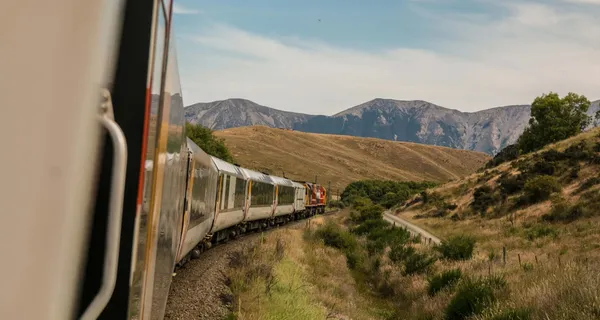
(343, 159)
(552, 241)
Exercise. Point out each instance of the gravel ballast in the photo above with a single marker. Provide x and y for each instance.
(198, 291)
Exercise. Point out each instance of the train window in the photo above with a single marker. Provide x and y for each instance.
(240, 193)
(158, 51)
(225, 196)
(198, 201)
(285, 195)
(262, 194)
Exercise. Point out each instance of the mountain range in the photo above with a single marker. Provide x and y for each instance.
(417, 121)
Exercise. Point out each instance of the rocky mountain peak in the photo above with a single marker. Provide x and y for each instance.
(418, 121)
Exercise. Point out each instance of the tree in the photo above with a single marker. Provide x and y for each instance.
(205, 139)
(554, 119)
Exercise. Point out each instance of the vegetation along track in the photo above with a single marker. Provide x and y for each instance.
(387, 216)
(199, 289)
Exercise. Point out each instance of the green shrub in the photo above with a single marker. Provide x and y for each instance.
(553, 155)
(543, 167)
(483, 198)
(391, 199)
(370, 226)
(446, 279)
(207, 141)
(360, 202)
(511, 184)
(540, 188)
(353, 258)
(336, 204)
(418, 263)
(563, 212)
(376, 247)
(389, 236)
(513, 314)
(399, 253)
(580, 152)
(370, 212)
(378, 191)
(424, 196)
(451, 206)
(333, 236)
(509, 153)
(471, 298)
(527, 266)
(457, 248)
(587, 184)
(573, 173)
(539, 231)
(495, 281)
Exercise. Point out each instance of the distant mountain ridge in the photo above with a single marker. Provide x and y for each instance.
(417, 121)
(233, 113)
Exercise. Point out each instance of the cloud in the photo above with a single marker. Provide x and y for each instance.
(585, 1)
(179, 9)
(533, 49)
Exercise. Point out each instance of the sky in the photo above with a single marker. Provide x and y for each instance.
(324, 56)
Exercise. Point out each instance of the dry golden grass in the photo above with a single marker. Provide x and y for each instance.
(343, 159)
(268, 283)
(555, 275)
(305, 280)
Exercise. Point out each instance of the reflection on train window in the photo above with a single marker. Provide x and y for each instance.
(240, 193)
(198, 202)
(262, 194)
(225, 192)
(285, 195)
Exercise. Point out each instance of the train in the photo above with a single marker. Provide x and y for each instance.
(241, 201)
(221, 201)
(103, 196)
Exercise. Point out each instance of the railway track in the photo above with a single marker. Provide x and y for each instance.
(242, 236)
(199, 289)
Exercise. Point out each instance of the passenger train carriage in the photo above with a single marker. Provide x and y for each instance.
(113, 195)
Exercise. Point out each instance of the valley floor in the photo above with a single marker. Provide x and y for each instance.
(285, 275)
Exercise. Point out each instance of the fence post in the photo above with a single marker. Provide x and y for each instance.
(504, 255)
(328, 192)
(519, 255)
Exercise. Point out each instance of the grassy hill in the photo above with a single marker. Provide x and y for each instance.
(543, 210)
(343, 159)
(520, 241)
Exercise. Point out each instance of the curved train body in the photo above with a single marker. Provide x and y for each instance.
(223, 200)
(122, 195)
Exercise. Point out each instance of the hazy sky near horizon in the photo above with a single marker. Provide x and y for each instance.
(324, 56)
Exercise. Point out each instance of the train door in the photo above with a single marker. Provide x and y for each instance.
(57, 131)
(148, 107)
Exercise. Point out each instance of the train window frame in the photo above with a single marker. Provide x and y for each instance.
(239, 194)
(262, 194)
(288, 194)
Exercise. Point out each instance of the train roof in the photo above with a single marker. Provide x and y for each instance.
(227, 167)
(257, 176)
(282, 181)
(297, 185)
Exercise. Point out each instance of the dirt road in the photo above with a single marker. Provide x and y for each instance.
(389, 217)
